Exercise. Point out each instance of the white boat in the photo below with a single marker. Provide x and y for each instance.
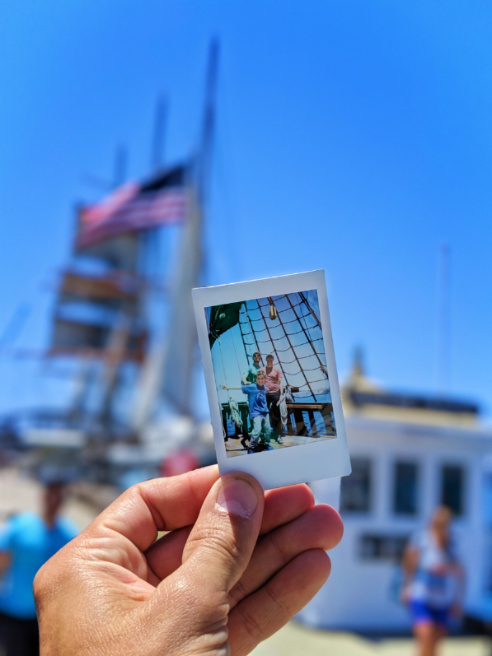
(410, 453)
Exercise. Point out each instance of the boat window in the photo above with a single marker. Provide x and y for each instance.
(382, 547)
(405, 488)
(453, 487)
(356, 489)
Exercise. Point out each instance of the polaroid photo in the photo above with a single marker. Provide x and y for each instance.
(271, 379)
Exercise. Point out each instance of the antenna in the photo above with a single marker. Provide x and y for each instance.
(208, 124)
(120, 162)
(160, 120)
(443, 345)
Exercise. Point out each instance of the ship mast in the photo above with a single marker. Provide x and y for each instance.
(168, 369)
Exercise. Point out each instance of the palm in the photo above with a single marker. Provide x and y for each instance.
(133, 573)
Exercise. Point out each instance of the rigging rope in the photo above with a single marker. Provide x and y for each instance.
(281, 339)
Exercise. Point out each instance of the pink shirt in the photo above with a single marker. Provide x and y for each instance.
(273, 379)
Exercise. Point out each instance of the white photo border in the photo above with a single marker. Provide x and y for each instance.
(288, 466)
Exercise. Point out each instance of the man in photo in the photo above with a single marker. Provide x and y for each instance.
(250, 374)
(273, 382)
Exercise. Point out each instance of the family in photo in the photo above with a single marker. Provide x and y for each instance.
(263, 387)
(271, 378)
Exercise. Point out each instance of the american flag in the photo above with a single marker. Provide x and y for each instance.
(133, 207)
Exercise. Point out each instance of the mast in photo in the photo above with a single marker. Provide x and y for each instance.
(269, 364)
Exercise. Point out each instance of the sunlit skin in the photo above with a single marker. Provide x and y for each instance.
(207, 587)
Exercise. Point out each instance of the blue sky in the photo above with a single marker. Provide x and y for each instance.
(351, 136)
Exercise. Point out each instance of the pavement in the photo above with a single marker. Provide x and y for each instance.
(19, 493)
(296, 640)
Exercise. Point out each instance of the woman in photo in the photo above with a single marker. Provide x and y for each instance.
(433, 586)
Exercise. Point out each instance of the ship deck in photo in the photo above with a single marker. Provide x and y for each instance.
(237, 446)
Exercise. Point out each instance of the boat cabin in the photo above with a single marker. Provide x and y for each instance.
(410, 454)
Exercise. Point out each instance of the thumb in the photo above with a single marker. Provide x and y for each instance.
(222, 540)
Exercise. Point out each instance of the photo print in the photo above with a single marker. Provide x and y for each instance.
(270, 372)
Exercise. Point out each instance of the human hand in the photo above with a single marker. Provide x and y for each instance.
(209, 586)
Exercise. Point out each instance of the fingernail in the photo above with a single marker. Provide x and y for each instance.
(237, 497)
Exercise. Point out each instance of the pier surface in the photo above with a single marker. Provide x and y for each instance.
(296, 640)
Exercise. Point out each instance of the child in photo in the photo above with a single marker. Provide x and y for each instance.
(258, 412)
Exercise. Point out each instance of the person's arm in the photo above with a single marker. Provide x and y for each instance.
(410, 560)
(459, 574)
(5, 560)
(244, 379)
(207, 586)
(226, 387)
(409, 565)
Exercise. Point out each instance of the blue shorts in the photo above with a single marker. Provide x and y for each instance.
(422, 613)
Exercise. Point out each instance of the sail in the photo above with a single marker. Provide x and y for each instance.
(222, 318)
(181, 354)
(168, 369)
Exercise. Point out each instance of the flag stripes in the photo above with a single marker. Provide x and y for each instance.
(132, 208)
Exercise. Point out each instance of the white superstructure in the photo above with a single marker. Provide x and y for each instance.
(409, 454)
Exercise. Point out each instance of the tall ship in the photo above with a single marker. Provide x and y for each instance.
(410, 453)
(122, 326)
(126, 330)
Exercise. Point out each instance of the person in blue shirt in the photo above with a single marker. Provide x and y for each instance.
(259, 413)
(434, 582)
(27, 541)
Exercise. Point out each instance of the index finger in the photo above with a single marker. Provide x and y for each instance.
(162, 504)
